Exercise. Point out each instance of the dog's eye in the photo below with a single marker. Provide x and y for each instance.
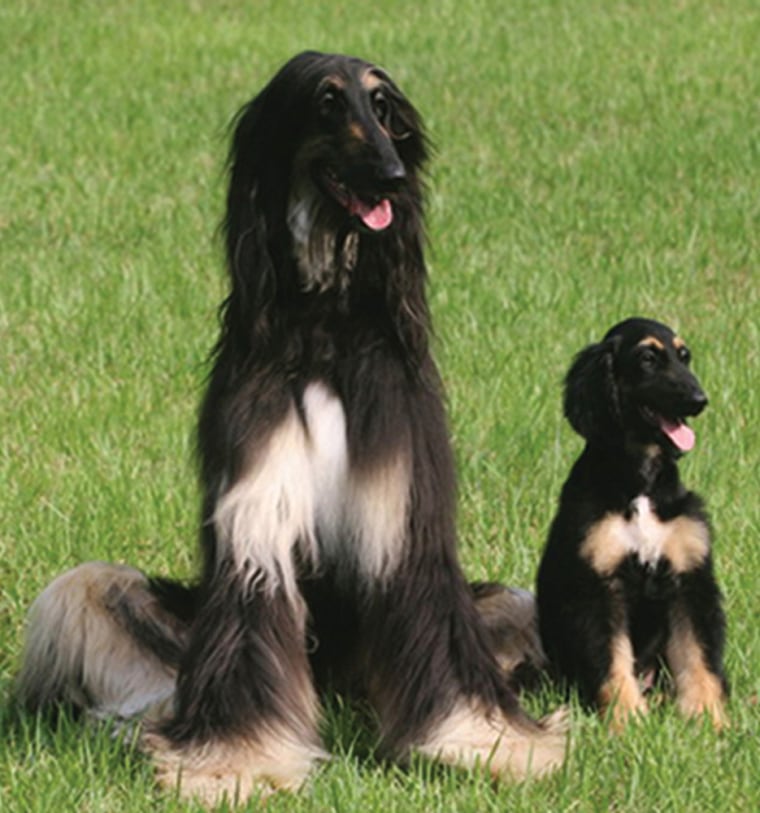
(684, 354)
(648, 358)
(329, 102)
(381, 107)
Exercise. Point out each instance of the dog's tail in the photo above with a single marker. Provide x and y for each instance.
(511, 619)
(105, 639)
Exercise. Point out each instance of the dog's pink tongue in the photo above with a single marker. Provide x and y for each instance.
(679, 433)
(377, 217)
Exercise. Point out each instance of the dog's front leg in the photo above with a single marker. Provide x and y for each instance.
(246, 715)
(619, 695)
(604, 655)
(694, 650)
(436, 684)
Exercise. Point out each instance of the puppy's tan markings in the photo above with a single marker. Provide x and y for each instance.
(699, 691)
(651, 341)
(684, 542)
(357, 131)
(333, 81)
(687, 544)
(620, 694)
(604, 547)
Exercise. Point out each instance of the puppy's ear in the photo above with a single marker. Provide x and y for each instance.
(591, 396)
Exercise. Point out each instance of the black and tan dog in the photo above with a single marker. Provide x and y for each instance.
(328, 520)
(626, 582)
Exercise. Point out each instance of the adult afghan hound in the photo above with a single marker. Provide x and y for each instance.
(328, 527)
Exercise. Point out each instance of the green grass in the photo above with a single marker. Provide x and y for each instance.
(594, 160)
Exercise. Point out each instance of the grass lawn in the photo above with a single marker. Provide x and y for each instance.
(594, 160)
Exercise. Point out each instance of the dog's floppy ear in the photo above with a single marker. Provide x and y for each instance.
(591, 396)
(245, 226)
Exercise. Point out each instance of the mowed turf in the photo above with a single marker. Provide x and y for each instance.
(593, 161)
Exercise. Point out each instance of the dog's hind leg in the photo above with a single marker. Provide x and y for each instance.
(103, 639)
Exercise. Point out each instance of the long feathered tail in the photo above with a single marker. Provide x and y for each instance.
(105, 639)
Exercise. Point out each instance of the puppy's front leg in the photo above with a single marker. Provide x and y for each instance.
(694, 657)
(619, 695)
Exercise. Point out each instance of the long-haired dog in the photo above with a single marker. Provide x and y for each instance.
(626, 581)
(328, 515)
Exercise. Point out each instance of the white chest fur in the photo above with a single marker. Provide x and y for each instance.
(327, 452)
(683, 541)
(644, 534)
(301, 491)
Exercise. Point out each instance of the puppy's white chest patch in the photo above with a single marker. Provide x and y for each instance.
(645, 534)
(683, 542)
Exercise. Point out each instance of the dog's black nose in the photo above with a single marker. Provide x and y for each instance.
(698, 402)
(391, 170)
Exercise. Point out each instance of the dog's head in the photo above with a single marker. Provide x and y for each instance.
(361, 143)
(329, 148)
(635, 386)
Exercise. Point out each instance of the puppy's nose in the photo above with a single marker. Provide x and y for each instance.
(698, 402)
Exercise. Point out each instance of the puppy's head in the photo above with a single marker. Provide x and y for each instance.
(635, 386)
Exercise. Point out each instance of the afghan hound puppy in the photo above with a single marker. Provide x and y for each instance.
(328, 513)
(626, 581)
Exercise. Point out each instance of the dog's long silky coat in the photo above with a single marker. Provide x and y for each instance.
(328, 484)
(626, 581)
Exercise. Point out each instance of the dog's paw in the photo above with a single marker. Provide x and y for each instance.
(710, 705)
(236, 769)
(513, 747)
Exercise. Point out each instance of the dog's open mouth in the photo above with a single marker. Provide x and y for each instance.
(676, 430)
(376, 215)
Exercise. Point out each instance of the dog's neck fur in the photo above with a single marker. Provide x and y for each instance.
(631, 469)
(648, 460)
(324, 258)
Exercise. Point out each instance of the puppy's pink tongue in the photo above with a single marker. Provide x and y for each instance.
(377, 217)
(681, 435)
